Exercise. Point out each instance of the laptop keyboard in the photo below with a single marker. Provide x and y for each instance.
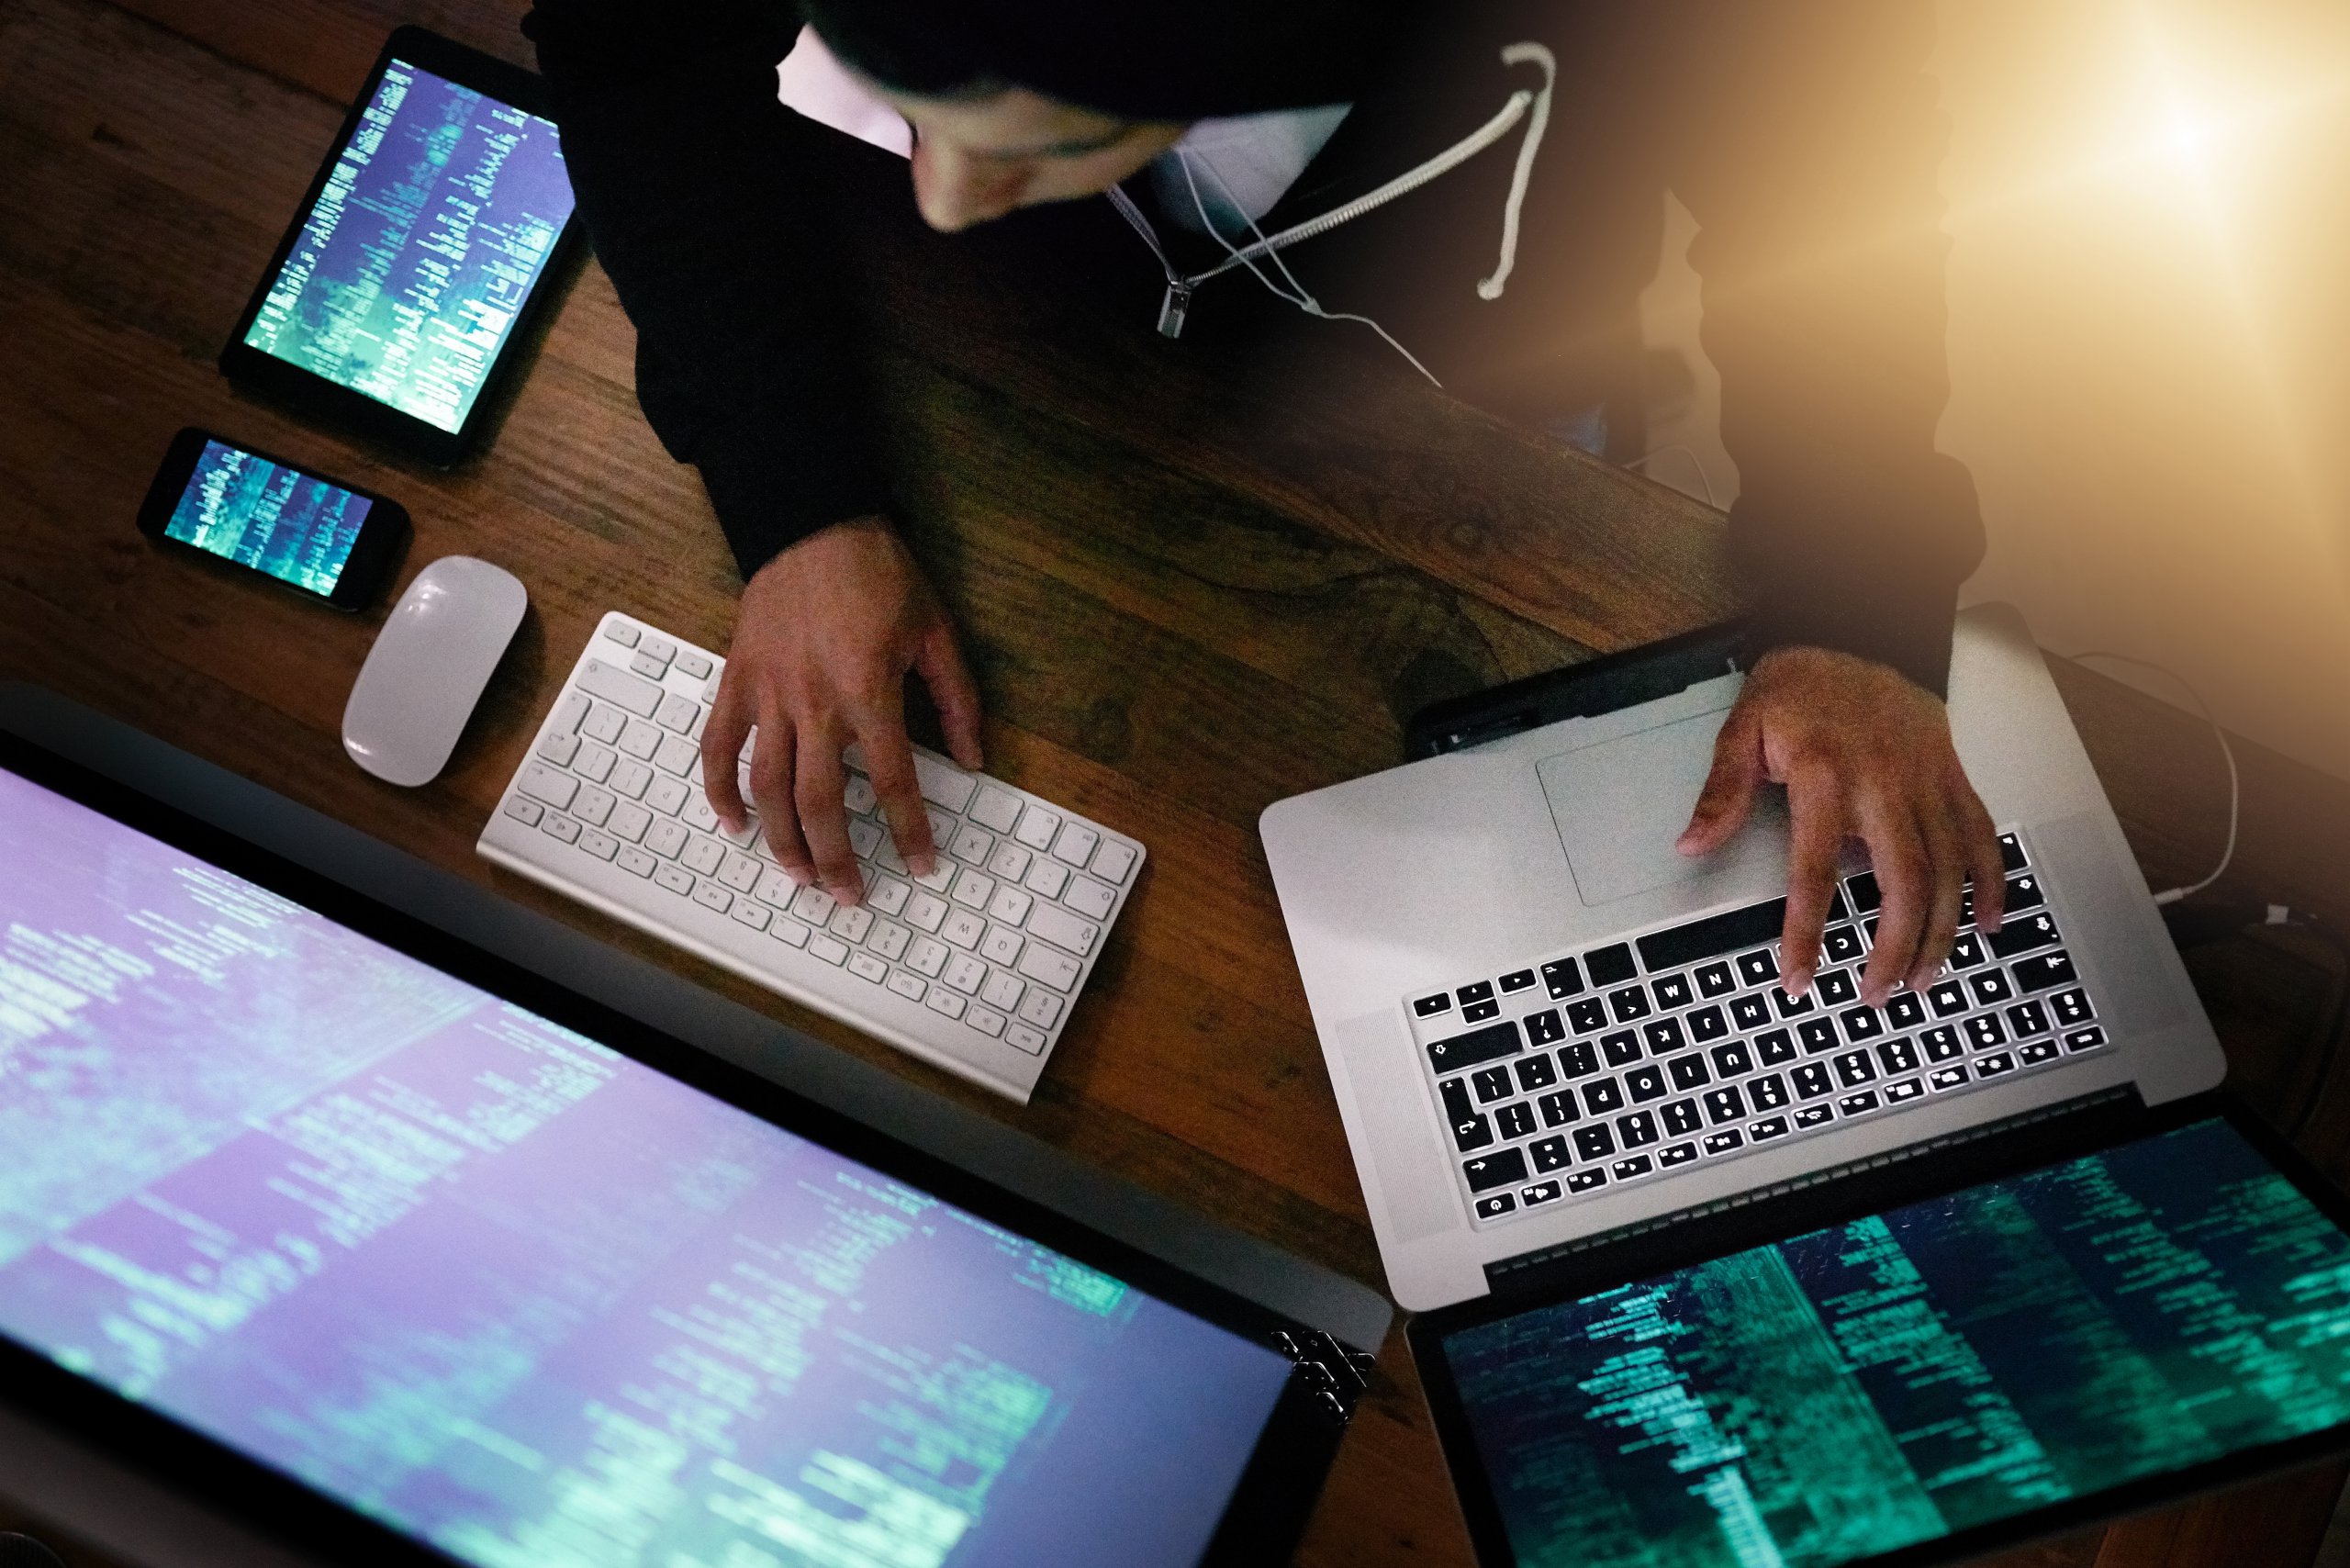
(1630, 1061)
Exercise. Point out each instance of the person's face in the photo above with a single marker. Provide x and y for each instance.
(979, 158)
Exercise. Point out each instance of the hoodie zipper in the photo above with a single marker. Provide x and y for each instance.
(1177, 303)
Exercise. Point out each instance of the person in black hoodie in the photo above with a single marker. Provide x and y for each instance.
(1479, 182)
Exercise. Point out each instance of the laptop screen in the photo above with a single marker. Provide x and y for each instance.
(521, 1297)
(1922, 1370)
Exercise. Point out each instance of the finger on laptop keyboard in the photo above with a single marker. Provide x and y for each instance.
(1946, 851)
(1814, 810)
(1905, 870)
(889, 765)
(819, 787)
(1985, 867)
(774, 763)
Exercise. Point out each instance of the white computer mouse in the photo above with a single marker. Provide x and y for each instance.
(428, 668)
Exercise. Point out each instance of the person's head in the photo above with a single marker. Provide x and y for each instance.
(1017, 102)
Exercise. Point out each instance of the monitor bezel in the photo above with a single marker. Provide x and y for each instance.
(315, 394)
(1262, 1519)
(2041, 1143)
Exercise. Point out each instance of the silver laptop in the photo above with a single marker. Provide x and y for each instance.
(1544, 1025)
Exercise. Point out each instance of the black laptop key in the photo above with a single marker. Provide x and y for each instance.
(1842, 944)
(1515, 1120)
(1489, 1044)
(1628, 1003)
(1665, 1037)
(1898, 1055)
(1637, 1129)
(1536, 1072)
(1733, 1057)
(2037, 1052)
(1579, 1061)
(1475, 1132)
(1776, 1048)
(1812, 1080)
(1588, 1016)
(1990, 987)
(1767, 1092)
(1904, 1092)
(2070, 1006)
(1750, 1012)
(1815, 1115)
(1942, 1043)
(1545, 1028)
(1478, 1012)
(1645, 1082)
(1621, 1048)
(1492, 1085)
(1768, 1128)
(1632, 1165)
(1562, 979)
(1500, 1168)
(1429, 1006)
(2084, 1039)
(1861, 1023)
(1602, 1097)
(1495, 1206)
(2043, 971)
(1719, 934)
(1855, 1068)
(1758, 969)
(1689, 1071)
(1985, 1031)
(1817, 1035)
(1835, 986)
(1610, 965)
(1594, 1142)
(1707, 1023)
(1864, 896)
(2023, 893)
(1951, 1077)
(1905, 1010)
(1457, 1106)
(1947, 998)
(1725, 1104)
(2026, 1019)
(1716, 979)
(1672, 991)
(1679, 1117)
(1518, 979)
(2021, 936)
(1793, 1006)
(1994, 1065)
(1675, 1154)
(1550, 1154)
(1725, 1140)
(1586, 1181)
(1481, 991)
(1858, 1104)
(2012, 851)
(1557, 1107)
(1967, 951)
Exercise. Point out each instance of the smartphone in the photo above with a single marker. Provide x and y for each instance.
(420, 269)
(324, 540)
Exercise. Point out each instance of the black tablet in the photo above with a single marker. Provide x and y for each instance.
(402, 1254)
(423, 258)
(1915, 1364)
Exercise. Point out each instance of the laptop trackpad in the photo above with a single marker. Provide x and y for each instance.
(1619, 804)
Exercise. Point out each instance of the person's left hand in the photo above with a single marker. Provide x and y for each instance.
(1865, 753)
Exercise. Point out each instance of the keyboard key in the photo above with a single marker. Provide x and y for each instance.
(831, 950)
(1587, 1016)
(1536, 1072)
(2026, 1019)
(1989, 986)
(1479, 1045)
(1679, 1117)
(1707, 1023)
(1047, 878)
(1075, 844)
(2037, 1052)
(1628, 1003)
(1858, 1104)
(2084, 1039)
(560, 827)
(1812, 1080)
(1045, 967)
(1429, 1006)
(1724, 1141)
(1689, 1071)
(1632, 1165)
(997, 809)
(1557, 1108)
(524, 811)
(944, 785)
(1545, 1028)
(1562, 979)
(1855, 1067)
(1505, 1168)
(1942, 1043)
(1579, 1061)
(964, 973)
(788, 932)
(1966, 952)
(1515, 1120)
(620, 631)
(1602, 1097)
(1010, 861)
(627, 856)
(1715, 980)
(1665, 1037)
(1768, 1128)
(2043, 971)
(926, 909)
(1905, 1010)
(1645, 1082)
(1861, 1023)
(1863, 892)
(1610, 965)
(1472, 1132)
(1495, 1206)
(1541, 1192)
(1478, 1012)
(1994, 1065)
(710, 896)
(1064, 929)
(1835, 986)
(2012, 851)
(1732, 1058)
(1492, 1084)
(1750, 1012)
(1947, 1078)
(1813, 1115)
(1775, 1048)
(1758, 969)
(1817, 1035)
(1767, 1092)
(1024, 1037)
(866, 966)
(1675, 1154)
(1587, 1180)
(1843, 943)
(2071, 1006)
(1621, 1048)
(1002, 946)
(1672, 991)
(1636, 1129)
(1793, 1006)
(548, 784)
(757, 916)
(927, 956)
(1037, 826)
(1725, 1104)
(1519, 979)
(949, 1004)
(618, 687)
(1947, 998)
(1984, 1031)
(973, 890)
(1898, 1055)
(676, 878)
(1113, 861)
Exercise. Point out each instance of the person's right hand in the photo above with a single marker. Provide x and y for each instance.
(826, 633)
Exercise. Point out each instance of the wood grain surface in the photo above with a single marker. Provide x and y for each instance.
(1191, 587)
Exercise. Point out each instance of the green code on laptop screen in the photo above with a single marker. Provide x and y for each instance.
(1919, 1372)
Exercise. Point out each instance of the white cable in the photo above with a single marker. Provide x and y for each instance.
(1694, 461)
(1302, 300)
(1518, 54)
(2235, 783)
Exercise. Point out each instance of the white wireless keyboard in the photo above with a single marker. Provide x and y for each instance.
(974, 968)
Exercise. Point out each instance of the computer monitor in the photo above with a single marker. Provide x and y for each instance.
(381, 1242)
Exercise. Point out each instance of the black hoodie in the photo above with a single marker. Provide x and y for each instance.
(1803, 134)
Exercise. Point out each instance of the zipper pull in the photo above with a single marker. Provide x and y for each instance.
(1174, 308)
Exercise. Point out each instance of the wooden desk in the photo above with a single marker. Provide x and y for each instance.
(1187, 594)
